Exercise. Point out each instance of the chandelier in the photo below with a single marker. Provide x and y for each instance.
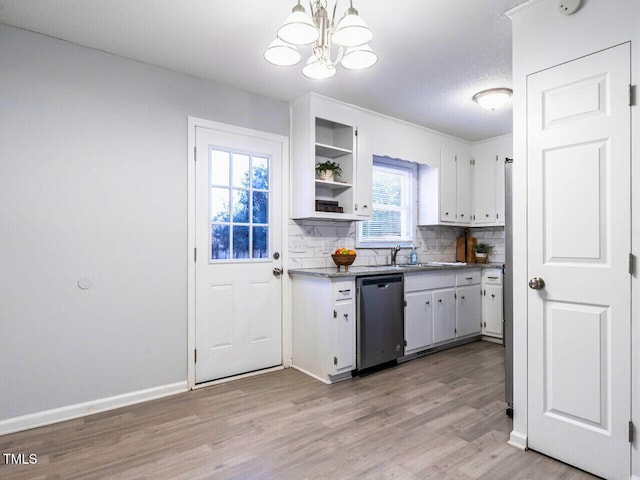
(350, 33)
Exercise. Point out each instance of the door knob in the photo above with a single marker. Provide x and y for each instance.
(536, 283)
(277, 272)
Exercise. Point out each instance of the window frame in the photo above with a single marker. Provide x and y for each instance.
(411, 197)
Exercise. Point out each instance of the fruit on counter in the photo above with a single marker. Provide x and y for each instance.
(344, 251)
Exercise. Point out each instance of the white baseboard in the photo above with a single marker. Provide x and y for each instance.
(518, 440)
(70, 412)
(313, 375)
(635, 477)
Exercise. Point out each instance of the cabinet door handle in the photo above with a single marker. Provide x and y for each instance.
(346, 315)
(493, 296)
(427, 303)
(345, 291)
(462, 214)
(462, 297)
(439, 300)
(469, 278)
(493, 278)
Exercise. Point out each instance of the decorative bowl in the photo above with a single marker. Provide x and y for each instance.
(346, 260)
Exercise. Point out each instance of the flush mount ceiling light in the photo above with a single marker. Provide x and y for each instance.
(493, 98)
(350, 32)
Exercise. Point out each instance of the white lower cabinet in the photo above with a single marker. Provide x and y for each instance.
(324, 327)
(441, 307)
(469, 308)
(492, 312)
(444, 315)
(418, 326)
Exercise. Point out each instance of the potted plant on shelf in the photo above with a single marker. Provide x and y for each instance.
(328, 170)
(483, 250)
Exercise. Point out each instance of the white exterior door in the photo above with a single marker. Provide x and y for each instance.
(579, 239)
(238, 305)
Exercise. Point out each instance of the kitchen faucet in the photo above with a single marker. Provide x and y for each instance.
(394, 253)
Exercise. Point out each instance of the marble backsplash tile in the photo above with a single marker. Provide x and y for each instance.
(312, 241)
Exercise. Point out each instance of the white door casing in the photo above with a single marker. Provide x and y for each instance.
(579, 239)
(237, 305)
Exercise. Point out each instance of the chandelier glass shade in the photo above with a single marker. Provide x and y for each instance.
(349, 33)
(493, 98)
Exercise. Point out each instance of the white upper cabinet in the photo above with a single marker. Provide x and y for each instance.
(445, 192)
(488, 180)
(327, 131)
(485, 193)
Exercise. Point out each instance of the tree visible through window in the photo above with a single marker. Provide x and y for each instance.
(392, 216)
(239, 199)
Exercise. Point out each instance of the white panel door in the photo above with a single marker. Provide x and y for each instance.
(238, 296)
(579, 239)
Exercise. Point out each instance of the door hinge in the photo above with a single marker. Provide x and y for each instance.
(335, 361)
(195, 355)
(472, 162)
(631, 431)
(632, 264)
(496, 158)
(195, 153)
(356, 132)
(455, 330)
(455, 295)
(195, 254)
(335, 314)
(632, 95)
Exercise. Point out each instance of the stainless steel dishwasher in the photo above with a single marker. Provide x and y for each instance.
(380, 320)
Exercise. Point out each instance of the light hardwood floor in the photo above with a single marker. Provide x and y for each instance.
(438, 417)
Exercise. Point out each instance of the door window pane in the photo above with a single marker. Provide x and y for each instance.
(219, 242)
(260, 173)
(240, 242)
(219, 167)
(260, 242)
(219, 204)
(239, 202)
(241, 206)
(260, 207)
(240, 177)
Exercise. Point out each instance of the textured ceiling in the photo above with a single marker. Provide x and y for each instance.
(433, 54)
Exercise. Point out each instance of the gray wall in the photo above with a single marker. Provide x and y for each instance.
(93, 184)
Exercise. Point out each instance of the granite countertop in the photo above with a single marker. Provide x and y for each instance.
(358, 271)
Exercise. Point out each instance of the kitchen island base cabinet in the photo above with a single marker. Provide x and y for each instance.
(324, 328)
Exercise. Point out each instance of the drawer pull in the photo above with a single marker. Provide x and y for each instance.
(345, 291)
(469, 278)
(494, 278)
